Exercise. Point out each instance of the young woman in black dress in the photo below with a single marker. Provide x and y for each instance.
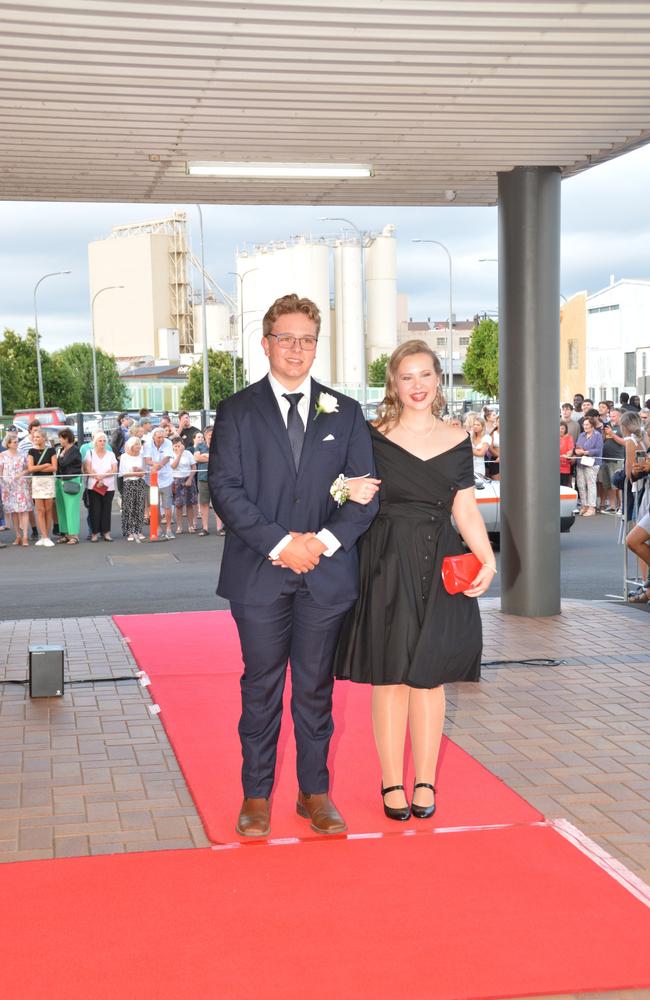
(406, 636)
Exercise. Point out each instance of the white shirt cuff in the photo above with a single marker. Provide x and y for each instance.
(329, 540)
(274, 553)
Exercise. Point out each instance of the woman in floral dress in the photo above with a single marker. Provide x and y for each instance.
(16, 491)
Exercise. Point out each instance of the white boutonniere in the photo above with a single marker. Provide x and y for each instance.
(326, 403)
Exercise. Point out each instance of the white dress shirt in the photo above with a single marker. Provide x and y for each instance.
(329, 540)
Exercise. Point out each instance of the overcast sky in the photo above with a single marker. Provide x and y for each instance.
(605, 230)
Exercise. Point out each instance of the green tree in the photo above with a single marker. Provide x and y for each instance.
(220, 377)
(20, 375)
(15, 361)
(377, 371)
(481, 366)
(79, 359)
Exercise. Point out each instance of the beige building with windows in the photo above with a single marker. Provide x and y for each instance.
(573, 347)
(151, 262)
(436, 335)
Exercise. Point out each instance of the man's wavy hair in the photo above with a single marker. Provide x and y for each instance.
(290, 304)
(388, 411)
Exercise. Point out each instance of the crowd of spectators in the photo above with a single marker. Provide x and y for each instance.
(45, 485)
(598, 446)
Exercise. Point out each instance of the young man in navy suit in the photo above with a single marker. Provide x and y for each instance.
(289, 566)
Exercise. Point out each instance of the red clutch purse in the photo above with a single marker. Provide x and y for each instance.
(458, 572)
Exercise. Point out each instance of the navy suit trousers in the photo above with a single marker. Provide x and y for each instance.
(293, 628)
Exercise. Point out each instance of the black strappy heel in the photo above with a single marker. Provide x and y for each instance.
(423, 812)
(401, 814)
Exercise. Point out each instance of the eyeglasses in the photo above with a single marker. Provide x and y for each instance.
(287, 342)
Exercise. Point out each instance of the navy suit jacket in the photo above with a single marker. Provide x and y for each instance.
(259, 495)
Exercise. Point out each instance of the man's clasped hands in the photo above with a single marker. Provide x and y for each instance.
(302, 553)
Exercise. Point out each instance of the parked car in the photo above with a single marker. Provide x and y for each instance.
(51, 429)
(488, 498)
(49, 415)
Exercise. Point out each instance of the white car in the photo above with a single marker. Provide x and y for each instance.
(488, 497)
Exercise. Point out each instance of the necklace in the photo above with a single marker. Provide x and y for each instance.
(412, 430)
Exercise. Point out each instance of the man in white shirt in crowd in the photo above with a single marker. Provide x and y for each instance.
(158, 453)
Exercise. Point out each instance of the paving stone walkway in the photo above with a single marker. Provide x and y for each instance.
(92, 772)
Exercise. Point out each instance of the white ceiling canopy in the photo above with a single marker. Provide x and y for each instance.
(108, 100)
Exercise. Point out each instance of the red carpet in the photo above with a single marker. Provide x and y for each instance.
(195, 642)
(194, 684)
(462, 915)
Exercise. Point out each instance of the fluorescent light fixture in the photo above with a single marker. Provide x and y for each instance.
(290, 171)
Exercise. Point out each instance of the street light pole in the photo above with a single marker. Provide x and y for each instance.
(107, 288)
(204, 322)
(41, 396)
(450, 328)
(364, 367)
(241, 278)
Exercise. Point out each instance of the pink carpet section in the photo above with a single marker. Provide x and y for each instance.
(501, 913)
(200, 715)
(194, 662)
(195, 642)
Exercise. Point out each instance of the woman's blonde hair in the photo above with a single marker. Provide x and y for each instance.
(477, 419)
(469, 419)
(128, 447)
(389, 409)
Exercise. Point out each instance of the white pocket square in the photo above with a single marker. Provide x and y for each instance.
(330, 437)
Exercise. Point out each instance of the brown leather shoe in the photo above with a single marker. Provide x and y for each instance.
(254, 818)
(324, 816)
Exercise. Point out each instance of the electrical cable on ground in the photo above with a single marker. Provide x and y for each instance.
(82, 680)
(534, 662)
(538, 662)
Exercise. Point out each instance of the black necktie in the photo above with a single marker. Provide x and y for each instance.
(294, 425)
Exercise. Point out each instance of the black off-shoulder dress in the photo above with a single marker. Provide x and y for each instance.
(405, 628)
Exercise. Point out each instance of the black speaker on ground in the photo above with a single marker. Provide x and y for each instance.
(46, 671)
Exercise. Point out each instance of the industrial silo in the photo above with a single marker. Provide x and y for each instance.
(381, 294)
(349, 312)
(267, 272)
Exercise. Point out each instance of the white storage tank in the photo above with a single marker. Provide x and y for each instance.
(217, 316)
(349, 312)
(169, 344)
(301, 266)
(338, 370)
(381, 294)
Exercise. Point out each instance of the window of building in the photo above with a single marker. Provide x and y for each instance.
(629, 368)
(573, 355)
(441, 341)
(614, 395)
(604, 309)
(463, 341)
(591, 392)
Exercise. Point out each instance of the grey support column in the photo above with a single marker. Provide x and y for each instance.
(529, 365)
